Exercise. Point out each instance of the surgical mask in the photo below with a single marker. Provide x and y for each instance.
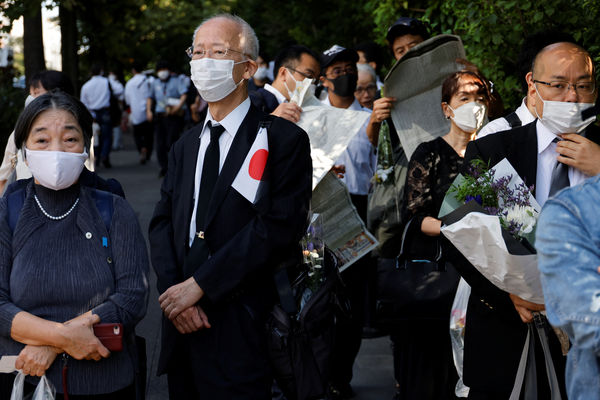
(303, 86)
(214, 78)
(469, 117)
(261, 73)
(55, 169)
(564, 117)
(28, 100)
(345, 85)
(163, 75)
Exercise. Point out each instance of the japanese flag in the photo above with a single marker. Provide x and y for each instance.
(248, 180)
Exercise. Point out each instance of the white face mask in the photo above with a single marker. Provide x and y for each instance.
(28, 100)
(163, 75)
(214, 78)
(564, 117)
(469, 117)
(297, 95)
(55, 169)
(261, 73)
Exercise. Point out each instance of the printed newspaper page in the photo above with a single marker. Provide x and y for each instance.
(330, 130)
(416, 83)
(345, 233)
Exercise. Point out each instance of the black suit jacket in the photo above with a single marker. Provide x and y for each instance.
(495, 334)
(246, 240)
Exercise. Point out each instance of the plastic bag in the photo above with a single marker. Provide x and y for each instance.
(43, 391)
(458, 317)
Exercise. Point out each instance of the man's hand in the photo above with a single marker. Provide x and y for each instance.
(149, 115)
(191, 320)
(35, 360)
(339, 170)
(524, 307)
(289, 111)
(382, 109)
(579, 152)
(179, 297)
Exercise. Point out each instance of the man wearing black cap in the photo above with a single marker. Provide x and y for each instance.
(402, 36)
(339, 76)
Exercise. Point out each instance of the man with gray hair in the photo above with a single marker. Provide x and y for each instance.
(234, 204)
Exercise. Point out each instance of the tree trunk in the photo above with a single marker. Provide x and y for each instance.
(68, 33)
(33, 44)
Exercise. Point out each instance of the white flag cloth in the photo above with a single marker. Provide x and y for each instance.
(248, 179)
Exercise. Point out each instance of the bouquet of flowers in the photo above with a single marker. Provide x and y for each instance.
(490, 217)
(313, 253)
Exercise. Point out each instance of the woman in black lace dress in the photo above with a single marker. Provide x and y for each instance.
(423, 354)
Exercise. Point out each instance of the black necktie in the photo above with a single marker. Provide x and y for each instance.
(210, 172)
(560, 176)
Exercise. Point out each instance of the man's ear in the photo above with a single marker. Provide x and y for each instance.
(281, 73)
(531, 89)
(325, 82)
(373, 65)
(251, 67)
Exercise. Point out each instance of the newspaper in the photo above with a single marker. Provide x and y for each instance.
(343, 230)
(330, 130)
(416, 83)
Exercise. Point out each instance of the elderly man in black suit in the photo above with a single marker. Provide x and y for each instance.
(214, 249)
(554, 151)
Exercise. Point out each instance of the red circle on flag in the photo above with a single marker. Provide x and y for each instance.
(257, 164)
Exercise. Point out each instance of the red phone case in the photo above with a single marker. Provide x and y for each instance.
(110, 335)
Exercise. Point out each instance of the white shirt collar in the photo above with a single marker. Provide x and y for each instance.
(233, 120)
(280, 98)
(544, 136)
(524, 114)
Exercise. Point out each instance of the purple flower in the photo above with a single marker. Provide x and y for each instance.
(310, 246)
(477, 198)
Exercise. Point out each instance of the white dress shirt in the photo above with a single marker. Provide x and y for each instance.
(231, 123)
(501, 124)
(280, 98)
(359, 158)
(95, 94)
(545, 164)
(137, 91)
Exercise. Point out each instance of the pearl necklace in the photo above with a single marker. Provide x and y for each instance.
(52, 217)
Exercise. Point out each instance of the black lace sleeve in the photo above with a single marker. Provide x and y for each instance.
(419, 185)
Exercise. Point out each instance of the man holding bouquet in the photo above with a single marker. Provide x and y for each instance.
(549, 154)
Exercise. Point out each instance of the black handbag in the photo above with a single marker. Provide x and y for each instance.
(300, 342)
(417, 283)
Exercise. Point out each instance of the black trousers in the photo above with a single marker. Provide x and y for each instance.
(227, 361)
(144, 137)
(167, 129)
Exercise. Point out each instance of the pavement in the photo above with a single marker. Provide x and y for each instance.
(373, 370)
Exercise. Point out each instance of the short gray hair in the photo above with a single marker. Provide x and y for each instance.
(250, 41)
(367, 68)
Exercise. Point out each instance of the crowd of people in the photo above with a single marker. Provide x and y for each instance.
(74, 255)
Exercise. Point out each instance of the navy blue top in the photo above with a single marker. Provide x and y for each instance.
(58, 270)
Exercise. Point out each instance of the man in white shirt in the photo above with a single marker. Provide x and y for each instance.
(339, 75)
(137, 92)
(95, 94)
(293, 64)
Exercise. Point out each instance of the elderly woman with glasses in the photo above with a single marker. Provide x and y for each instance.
(366, 86)
(65, 265)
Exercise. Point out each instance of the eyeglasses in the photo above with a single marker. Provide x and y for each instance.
(217, 52)
(308, 76)
(563, 87)
(339, 71)
(370, 88)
